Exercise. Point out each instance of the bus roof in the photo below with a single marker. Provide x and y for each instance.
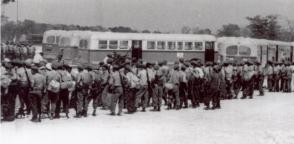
(153, 36)
(131, 36)
(242, 40)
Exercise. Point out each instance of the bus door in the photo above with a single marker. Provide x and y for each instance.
(137, 49)
(209, 51)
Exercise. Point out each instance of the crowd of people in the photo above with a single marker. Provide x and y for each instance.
(49, 90)
(17, 50)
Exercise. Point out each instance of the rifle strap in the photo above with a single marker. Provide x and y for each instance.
(27, 75)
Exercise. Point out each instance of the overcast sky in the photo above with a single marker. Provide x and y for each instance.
(163, 15)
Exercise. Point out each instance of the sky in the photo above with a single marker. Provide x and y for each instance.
(162, 15)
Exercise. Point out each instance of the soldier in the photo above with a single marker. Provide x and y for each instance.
(283, 77)
(115, 87)
(237, 79)
(105, 78)
(133, 87)
(259, 79)
(66, 81)
(158, 88)
(183, 87)
(142, 94)
(276, 77)
(228, 69)
(35, 95)
(9, 84)
(53, 80)
(197, 74)
(165, 70)
(289, 77)
(174, 92)
(24, 77)
(95, 88)
(215, 83)
(207, 76)
(84, 81)
(248, 81)
(270, 76)
(150, 78)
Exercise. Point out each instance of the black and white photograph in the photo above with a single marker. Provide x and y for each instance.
(147, 72)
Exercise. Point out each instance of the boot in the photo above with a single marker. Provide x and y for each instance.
(39, 117)
(78, 115)
(94, 112)
(66, 114)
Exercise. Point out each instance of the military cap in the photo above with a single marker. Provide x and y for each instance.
(208, 63)
(257, 63)
(34, 68)
(148, 64)
(109, 60)
(7, 65)
(156, 67)
(181, 60)
(176, 67)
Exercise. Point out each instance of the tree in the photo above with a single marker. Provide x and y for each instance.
(264, 27)
(230, 30)
(7, 1)
(185, 30)
(146, 31)
(204, 31)
(273, 28)
(122, 29)
(197, 30)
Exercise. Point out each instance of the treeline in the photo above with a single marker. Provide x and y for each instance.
(267, 27)
(260, 27)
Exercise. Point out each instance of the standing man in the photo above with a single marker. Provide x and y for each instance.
(133, 86)
(35, 95)
(53, 80)
(25, 75)
(174, 78)
(95, 88)
(270, 76)
(183, 87)
(143, 91)
(84, 81)
(66, 81)
(260, 78)
(115, 86)
(248, 86)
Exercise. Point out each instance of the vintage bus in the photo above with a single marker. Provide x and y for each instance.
(240, 49)
(92, 47)
(60, 42)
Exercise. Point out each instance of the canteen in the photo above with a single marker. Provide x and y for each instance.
(169, 86)
(54, 86)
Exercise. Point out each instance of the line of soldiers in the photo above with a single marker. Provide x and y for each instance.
(49, 89)
(13, 50)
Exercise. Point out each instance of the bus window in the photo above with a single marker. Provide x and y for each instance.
(150, 45)
(160, 45)
(83, 44)
(50, 39)
(112, 44)
(171, 45)
(198, 46)
(123, 45)
(102, 44)
(57, 40)
(244, 50)
(64, 41)
(180, 45)
(188, 45)
(232, 50)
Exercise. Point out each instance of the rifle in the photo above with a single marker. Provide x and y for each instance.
(26, 72)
